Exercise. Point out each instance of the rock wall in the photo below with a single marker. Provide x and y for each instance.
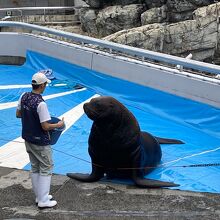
(177, 27)
(111, 19)
(199, 36)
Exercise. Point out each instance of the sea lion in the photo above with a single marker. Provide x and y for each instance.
(118, 148)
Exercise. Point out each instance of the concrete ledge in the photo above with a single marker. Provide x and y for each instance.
(101, 200)
(48, 19)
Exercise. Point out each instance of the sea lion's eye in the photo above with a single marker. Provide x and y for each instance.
(98, 105)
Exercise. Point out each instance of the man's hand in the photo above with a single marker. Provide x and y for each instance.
(48, 126)
(60, 123)
(18, 113)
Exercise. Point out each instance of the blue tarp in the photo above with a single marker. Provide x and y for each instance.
(159, 113)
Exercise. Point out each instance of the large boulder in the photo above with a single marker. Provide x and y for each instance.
(199, 36)
(147, 37)
(190, 36)
(209, 16)
(111, 19)
(180, 10)
(88, 18)
(154, 15)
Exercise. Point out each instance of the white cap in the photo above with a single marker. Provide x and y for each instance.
(39, 78)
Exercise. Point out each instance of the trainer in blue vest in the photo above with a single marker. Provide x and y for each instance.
(36, 125)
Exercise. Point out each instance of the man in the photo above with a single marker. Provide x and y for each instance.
(34, 115)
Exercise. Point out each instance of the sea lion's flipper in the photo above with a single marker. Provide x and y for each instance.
(80, 177)
(168, 141)
(138, 178)
(97, 174)
(149, 183)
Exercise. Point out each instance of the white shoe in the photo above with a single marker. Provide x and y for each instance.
(48, 204)
(34, 180)
(43, 192)
(50, 197)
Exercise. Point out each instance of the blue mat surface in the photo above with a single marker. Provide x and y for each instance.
(159, 113)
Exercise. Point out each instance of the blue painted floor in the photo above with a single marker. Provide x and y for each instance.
(159, 113)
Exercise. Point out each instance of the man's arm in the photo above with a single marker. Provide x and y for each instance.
(48, 126)
(18, 110)
(44, 116)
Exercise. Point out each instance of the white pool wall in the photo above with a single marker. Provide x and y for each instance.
(171, 80)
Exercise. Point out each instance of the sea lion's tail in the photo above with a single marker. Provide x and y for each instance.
(168, 141)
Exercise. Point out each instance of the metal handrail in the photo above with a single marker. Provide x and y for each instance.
(21, 9)
(170, 59)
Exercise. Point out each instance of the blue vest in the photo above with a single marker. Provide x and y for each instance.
(31, 127)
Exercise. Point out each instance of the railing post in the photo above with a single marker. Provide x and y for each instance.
(44, 15)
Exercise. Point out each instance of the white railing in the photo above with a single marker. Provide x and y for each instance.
(44, 9)
(136, 52)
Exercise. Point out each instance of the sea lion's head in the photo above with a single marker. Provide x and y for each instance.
(102, 108)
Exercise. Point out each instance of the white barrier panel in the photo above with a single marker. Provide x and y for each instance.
(162, 78)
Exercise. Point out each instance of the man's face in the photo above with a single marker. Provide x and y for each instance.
(43, 86)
